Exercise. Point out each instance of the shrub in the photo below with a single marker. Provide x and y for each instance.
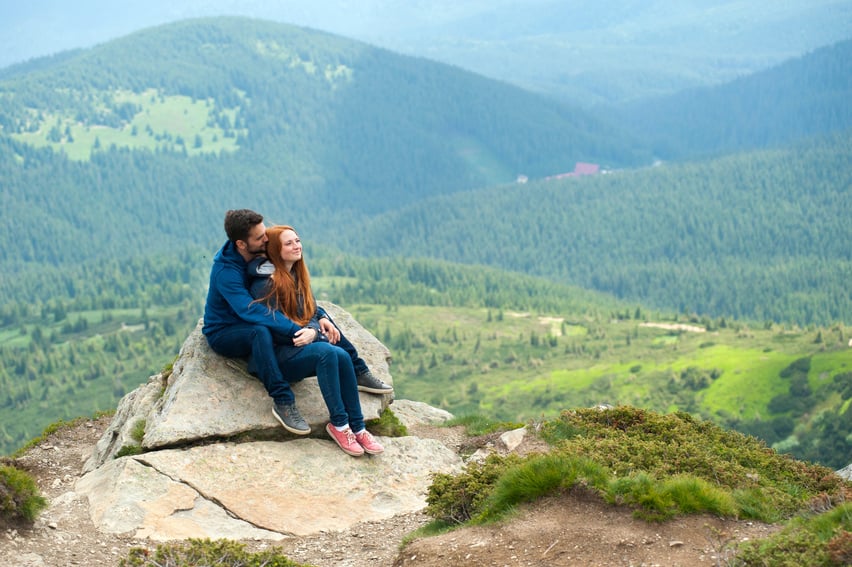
(19, 496)
(196, 552)
(627, 440)
(455, 499)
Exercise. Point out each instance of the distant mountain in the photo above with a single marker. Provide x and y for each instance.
(160, 132)
(806, 96)
(583, 51)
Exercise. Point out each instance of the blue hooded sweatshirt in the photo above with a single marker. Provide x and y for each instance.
(229, 301)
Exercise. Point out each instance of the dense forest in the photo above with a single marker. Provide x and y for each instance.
(806, 96)
(761, 235)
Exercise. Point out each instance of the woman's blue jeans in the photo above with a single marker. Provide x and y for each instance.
(336, 377)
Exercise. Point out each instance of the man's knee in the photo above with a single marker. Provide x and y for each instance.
(261, 333)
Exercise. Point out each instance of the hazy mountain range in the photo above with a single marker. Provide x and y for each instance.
(588, 52)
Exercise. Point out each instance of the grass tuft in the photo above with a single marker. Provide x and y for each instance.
(388, 425)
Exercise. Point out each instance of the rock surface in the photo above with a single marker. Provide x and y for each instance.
(214, 462)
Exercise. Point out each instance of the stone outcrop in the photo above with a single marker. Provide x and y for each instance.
(213, 461)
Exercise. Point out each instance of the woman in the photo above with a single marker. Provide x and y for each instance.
(312, 349)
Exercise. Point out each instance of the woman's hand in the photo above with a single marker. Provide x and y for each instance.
(305, 336)
(329, 330)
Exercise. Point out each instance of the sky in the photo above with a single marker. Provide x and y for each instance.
(43, 27)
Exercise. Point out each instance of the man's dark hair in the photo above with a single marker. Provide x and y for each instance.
(239, 222)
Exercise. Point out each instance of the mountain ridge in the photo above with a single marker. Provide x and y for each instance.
(801, 98)
(626, 51)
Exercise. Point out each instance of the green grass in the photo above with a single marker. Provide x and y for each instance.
(471, 361)
(162, 122)
(660, 465)
(749, 377)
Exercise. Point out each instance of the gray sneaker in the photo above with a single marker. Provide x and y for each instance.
(288, 415)
(369, 383)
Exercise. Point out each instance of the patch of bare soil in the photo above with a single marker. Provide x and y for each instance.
(579, 529)
(574, 529)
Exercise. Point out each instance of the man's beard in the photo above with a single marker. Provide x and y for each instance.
(259, 251)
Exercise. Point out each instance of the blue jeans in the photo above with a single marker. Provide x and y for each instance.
(254, 343)
(336, 377)
(357, 362)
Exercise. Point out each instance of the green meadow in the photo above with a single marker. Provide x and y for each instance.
(522, 366)
(148, 120)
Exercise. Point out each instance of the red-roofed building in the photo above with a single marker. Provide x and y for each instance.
(580, 168)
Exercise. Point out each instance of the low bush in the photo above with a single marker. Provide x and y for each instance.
(196, 552)
(821, 540)
(19, 496)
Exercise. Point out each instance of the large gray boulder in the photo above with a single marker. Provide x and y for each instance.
(207, 396)
(214, 463)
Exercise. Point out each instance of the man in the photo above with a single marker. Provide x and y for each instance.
(237, 327)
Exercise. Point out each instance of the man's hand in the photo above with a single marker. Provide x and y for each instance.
(305, 336)
(329, 330)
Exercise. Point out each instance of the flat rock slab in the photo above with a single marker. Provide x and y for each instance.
(263, 490)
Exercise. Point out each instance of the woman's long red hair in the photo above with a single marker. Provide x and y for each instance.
(285, 289)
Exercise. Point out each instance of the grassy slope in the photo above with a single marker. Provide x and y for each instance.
(457, 359)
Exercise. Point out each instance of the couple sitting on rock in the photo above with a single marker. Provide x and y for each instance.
(260, 306)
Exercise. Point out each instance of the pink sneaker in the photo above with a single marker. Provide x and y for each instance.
(369, 443)
(346, 440)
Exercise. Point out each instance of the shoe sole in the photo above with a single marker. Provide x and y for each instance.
(374, 390)
(342, 448)
(369, 452)
(288, 428)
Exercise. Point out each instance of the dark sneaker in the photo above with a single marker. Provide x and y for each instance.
(288, 415)
(345, 440)
(369, 383)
